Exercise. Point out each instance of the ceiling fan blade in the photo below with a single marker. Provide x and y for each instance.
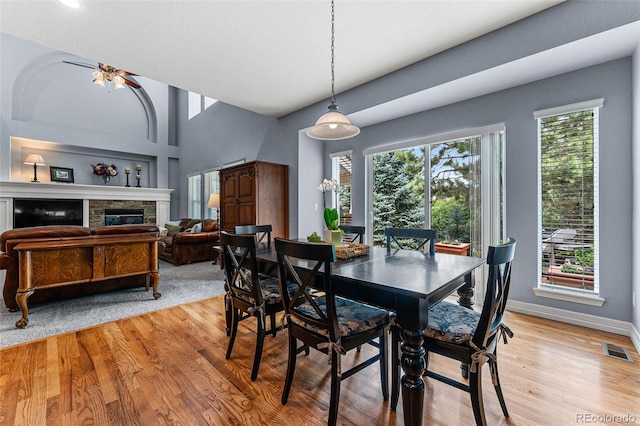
(123, 72)
(131, 82)
(80, 64)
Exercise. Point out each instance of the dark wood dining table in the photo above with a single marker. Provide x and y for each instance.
(408, 283)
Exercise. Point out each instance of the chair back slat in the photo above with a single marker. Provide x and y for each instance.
(353, 233)
(499, 259)
(262, 232)
(423, 236)
(240, 266)
(304, 300)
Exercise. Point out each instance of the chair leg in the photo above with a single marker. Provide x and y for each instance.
(384, 375)
(395, 368)
(261, 319)
(475, 389)
(493, 366)
(228, 306)
(234, 330)
(273, 324)
(335, 389)
(291, 367)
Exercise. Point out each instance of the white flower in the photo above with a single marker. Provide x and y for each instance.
(329, 185)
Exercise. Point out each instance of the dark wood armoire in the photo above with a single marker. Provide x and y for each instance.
(255, 193)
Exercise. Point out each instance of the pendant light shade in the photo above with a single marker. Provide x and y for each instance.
(333, 126)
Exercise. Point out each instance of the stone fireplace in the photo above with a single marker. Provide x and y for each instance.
(155, 202)
(97, 210)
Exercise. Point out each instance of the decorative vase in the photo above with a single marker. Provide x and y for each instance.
(106, 178)
(333, 236)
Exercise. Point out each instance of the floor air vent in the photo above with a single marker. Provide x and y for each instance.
(615, 351)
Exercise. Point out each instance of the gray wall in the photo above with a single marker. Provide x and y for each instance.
(612, 80)
(224, 133)
(44, 99)
(219, 135)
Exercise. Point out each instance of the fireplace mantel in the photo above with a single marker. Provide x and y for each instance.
(11, 190)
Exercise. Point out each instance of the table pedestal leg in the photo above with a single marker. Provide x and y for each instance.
(413, 366)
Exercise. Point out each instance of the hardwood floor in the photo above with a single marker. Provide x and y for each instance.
(168, 367)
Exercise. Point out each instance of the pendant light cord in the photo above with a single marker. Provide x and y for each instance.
(333, 94)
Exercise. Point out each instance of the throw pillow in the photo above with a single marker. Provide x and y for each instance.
(174, 223)
(172, 229)
(163, 231)
(196, 228)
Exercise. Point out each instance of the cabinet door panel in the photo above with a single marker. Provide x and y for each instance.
(64, 265)
(126, 259)
(245, 184)
(246, 214)
(230, 185)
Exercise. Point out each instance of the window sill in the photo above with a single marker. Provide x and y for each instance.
(569, 296)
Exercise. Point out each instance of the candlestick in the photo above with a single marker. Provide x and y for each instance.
(138, 179)
(138, 167)
(127, 170)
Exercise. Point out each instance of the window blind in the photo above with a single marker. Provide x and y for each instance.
(569, 198)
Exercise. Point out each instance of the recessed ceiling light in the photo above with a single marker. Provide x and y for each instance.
(71, 3)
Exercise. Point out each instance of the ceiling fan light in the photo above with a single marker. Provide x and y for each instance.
(333, 126)
(99, 82)
(118, 82)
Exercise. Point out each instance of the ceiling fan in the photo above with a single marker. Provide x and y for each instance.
(104, 72)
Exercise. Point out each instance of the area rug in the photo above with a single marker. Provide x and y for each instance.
(178, 285)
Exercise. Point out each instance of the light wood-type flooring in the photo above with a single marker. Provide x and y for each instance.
(169, 367)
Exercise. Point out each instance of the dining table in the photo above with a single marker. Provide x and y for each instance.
(407, 283)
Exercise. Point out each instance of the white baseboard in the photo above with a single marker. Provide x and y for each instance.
(577, 318)
(635, 338)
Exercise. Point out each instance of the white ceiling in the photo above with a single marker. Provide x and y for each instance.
(270, 57)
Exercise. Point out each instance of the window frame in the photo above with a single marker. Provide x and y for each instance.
(555, 291)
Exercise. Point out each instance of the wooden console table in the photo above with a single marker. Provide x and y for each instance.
(48, 264)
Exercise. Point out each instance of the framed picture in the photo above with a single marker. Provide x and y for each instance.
(61, 174)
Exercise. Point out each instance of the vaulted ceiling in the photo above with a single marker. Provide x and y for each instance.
(270, 57)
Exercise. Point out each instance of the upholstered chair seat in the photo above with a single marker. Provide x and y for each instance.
(452, 323)
(353, 317)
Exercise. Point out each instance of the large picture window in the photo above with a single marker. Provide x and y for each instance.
(568, 196)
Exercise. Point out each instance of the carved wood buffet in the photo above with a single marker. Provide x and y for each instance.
(47, 264)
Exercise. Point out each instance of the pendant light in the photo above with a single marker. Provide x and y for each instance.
(333, 125)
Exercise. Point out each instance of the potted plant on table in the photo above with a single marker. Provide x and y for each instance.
(333, 233)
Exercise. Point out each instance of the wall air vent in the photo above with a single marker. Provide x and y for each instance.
(615, 351)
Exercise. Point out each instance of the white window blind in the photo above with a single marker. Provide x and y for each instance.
(568, 195)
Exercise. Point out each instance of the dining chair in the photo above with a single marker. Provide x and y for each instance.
(249, 295)
(468, 336)
(262, 232)
(353, 233)
(423, 236)
(328, 323)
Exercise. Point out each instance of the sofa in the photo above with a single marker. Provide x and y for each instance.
(189, 241)
(66, 234)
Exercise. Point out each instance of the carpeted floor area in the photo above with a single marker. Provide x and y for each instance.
(178, 284)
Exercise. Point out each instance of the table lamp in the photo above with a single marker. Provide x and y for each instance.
(214, 203)
(36, 160)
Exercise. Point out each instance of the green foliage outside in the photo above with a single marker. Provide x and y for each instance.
(451, 218)
(399, 190)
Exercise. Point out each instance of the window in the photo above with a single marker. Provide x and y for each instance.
(195, 196)
(211, 186)
(199, 103)
(568, 197)
(341, 171)
(450, 182)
